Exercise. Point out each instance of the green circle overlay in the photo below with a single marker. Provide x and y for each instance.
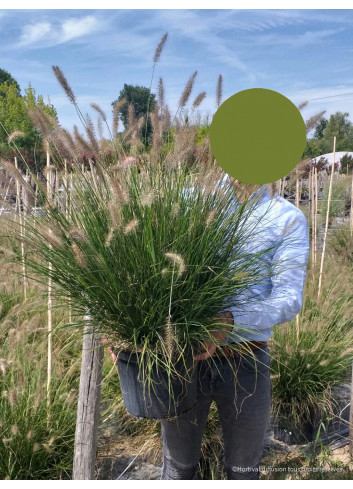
(257, 136)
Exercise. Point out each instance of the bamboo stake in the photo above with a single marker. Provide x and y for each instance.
(327, 218)
(351, 420)
(312, 217)
(20, 216)
(351, 215)
(50, 318)
(297, 198)
(315, 214)
(6, 193)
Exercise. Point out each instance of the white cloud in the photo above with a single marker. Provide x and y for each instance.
(73, 28)
(44, 34)
(34, 33)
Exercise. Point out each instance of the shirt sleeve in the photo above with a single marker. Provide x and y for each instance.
(288, 274)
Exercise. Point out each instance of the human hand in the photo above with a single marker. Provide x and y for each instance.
(112, 354)
(211, 346)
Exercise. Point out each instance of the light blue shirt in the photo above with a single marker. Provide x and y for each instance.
(279, 297)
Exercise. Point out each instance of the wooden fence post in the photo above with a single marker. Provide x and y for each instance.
(88, 406)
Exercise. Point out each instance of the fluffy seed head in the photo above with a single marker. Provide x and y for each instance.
(14, 429)
(177, 261)
(14, 135)
(159, 49)
(12, 396)
(79, 255)
(64, 83)
(175, 209)
(210, 217)
(187, 90)
(169, 338)
(36, 447)
(199, 99)
(131, 226)
(323, 363)
(219, 91)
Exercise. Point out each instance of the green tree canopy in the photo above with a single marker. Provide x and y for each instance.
(143, 102)
(6, 77)
(14, 117)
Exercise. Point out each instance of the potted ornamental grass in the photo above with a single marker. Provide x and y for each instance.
(149, 255)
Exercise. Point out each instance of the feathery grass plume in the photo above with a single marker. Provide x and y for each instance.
(164, 271)
(29, 435)
(100, 111)
(40, 121)
(219, 91)
(3, 366)
(131, 226)
(210, 216)
(187, 91)
(110, 236)
(177, 261)
(14, 135)
(10, 168)
(302, 105)
(120, 194)
(77, 234)
(198, 99)
(346, 352)
(313, 121)
(82, 146)
(114, 215)
(131, 116)
(175, 209)
(116, 112)
(147, 198)
(165, 119)
(36, 447)
(100, 128)
(159, 49)
(14, 429)
(308, 365)
(64, 83)
(79, 255)
(161, 94)
(51, 238)
(12, 396)
(90, 131)
(323, 363)
(169, 337)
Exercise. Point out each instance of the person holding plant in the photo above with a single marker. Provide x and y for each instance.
(238, 379)
(232, 367)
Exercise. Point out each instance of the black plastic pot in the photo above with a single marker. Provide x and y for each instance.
(161, 398)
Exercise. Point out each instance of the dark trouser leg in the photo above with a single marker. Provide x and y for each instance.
(244, 410)
(182, 437)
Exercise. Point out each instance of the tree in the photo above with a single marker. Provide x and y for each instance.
(319, 130)
(340, 126)
(143, 102)
(346, 163)
(6, 77)
(14, 117)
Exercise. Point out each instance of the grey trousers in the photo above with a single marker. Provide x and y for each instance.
(241, 388)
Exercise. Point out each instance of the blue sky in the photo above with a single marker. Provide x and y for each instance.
(303, 54)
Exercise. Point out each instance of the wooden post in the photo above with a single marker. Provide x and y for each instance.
(88, 406)
(327, 217)
(351, 421)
